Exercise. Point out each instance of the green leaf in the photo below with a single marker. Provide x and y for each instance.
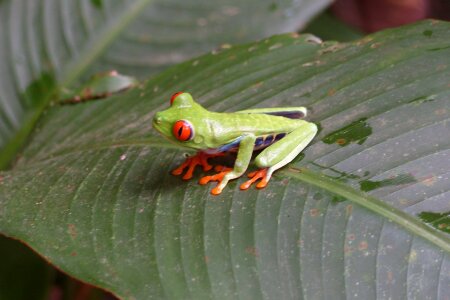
(100, 86)
(50, 45)
(440, 221)
(93, 194)
(328, 27)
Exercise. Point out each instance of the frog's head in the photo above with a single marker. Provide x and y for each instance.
(180, 122)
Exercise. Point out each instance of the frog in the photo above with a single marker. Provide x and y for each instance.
(276, 134)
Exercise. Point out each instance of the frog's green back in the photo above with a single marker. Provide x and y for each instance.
(213, 129)
(287, 112)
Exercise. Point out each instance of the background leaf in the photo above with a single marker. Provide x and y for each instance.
(320, 26)
(93, 194)
(47, 45)
(23, 275)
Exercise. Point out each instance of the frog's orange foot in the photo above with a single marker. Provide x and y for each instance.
(190, 163)
(260, 174)
(217, 177)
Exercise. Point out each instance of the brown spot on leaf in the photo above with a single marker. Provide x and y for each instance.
(363, 246)
(403, 201)
(257, 85)
(440, 112)
(252, 251)
(348, 250)
(441, 67)
(341, 141)
(443, 226)
(390, 277)
(144, 38)
(348, 210)
(434, 22)
(313, 212)
(429, 180)
(72, 231)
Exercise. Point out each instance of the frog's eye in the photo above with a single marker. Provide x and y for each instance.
(174, 96)
(183, 130)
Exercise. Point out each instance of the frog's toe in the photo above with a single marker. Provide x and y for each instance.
(217, 190)
(189, 173)
(178, 171)
(262, 174)
(216, 177)
(200, 159)
(223, 171)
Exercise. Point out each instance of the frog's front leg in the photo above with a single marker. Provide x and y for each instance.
(201, 158)
(280, 153)
(243, 158)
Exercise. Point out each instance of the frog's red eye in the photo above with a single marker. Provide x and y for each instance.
(183, 130)
(174, 96)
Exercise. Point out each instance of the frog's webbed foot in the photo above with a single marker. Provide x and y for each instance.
(222, 171)
(191, 162)
(263, 174)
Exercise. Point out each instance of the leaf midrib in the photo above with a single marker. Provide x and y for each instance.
(405, 220)
(107, 36)
(408, 222)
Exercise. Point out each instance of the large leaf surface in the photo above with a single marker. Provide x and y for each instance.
(47, 45)
(92, 191)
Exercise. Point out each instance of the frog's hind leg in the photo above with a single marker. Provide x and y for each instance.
(281, 153)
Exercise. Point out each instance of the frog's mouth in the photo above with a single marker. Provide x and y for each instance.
(158, 127)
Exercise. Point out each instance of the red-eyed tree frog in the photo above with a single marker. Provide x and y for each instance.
(279, 131)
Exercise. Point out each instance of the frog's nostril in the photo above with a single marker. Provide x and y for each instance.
(157, 119)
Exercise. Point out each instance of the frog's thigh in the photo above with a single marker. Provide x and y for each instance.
(285, 150)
